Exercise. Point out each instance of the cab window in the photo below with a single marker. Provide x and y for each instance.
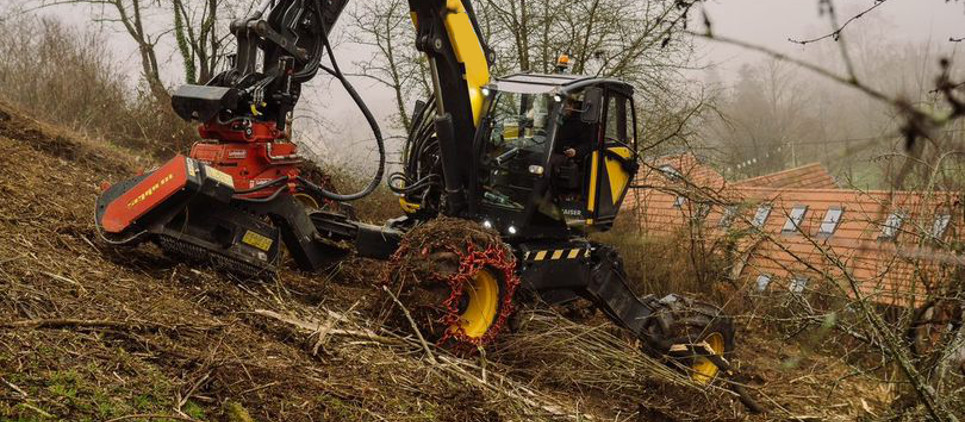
(516, 149)
(618, 116)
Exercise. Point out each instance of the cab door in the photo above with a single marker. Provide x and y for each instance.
(614, 163)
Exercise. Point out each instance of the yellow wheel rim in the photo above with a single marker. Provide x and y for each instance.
(483, 305)
(703, 369)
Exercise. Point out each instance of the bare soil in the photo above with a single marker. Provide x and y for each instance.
(90, 332)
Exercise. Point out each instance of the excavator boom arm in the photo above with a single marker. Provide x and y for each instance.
(292, 36)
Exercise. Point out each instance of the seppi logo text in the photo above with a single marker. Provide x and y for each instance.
(150, 191)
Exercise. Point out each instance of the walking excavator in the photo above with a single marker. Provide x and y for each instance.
(536, 161)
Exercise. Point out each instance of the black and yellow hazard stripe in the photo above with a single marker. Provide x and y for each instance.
(556, 254)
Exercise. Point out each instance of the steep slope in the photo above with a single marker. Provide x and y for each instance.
(92, 332)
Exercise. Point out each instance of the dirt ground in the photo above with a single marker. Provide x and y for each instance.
(93, 333)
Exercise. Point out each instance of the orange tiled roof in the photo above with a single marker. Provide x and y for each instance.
(811, 176)
(682, 170)
(890, 271)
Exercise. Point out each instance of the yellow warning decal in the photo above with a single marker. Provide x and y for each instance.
(256, 240)
(556, 254)
(192, 167)
(219, 176)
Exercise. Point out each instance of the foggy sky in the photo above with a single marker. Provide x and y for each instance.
(764, 22)
(770, 23)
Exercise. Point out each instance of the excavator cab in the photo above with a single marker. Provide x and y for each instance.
(556, 152)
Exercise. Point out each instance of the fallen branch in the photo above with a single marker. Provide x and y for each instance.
(152, 416)
(36, 409)
(67, 323)
(14, 387)
(260, 387)
(76, 323)
(313, 326)
(415, 328)
(4, 261)
(453, 367)
(322, 333)
(65, 280)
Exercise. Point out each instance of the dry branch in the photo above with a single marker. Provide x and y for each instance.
(152, 416)
(515, 391)
(66, 280)
(77, 323)
(313, 326)
(836, 33)
(14, 387)
(415, 327)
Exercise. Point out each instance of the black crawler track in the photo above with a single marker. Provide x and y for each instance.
(192, 253)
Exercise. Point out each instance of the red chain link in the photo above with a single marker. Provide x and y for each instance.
(470, 263)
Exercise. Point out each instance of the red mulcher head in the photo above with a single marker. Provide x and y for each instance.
(185, 207)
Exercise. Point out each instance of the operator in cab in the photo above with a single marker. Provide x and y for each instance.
(569, 161)
(575, 137)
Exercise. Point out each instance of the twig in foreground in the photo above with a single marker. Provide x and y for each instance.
(837, 32)
(408, 316)
(152, 416)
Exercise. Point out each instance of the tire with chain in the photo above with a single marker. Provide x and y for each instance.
(683, 328)
(457, 281)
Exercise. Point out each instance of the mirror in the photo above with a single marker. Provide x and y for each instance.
(592, 105)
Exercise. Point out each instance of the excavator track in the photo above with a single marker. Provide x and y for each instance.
(197, 254)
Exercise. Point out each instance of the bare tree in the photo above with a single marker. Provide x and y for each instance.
(199, 28)
(130, 15)
(198, 40)
(764, 119)
(385, 27)
(620, 38)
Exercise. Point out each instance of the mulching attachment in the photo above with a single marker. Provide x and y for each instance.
(432, 268)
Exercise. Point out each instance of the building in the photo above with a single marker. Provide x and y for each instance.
(809, 176)
(797, 231)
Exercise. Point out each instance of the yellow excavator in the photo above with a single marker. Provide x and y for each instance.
(521, 168)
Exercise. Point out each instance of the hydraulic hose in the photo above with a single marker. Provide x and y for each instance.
(373, 124)
(267, 199)
(407, 185)
(261, 186)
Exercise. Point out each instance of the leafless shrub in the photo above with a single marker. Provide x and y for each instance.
(70, 77)
(660, 266)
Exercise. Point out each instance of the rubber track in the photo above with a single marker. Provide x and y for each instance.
(194, 253)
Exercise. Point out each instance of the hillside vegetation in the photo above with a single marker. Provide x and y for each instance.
(94, 332)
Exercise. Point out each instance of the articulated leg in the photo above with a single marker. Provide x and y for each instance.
(300, 236)
(608, 288)
(696, 335)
